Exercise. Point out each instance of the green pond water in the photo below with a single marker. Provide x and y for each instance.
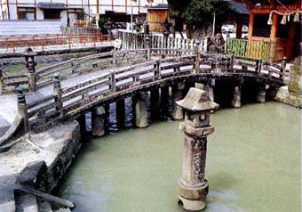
(253, 164)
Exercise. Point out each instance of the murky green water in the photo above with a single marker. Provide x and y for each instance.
(253, 164)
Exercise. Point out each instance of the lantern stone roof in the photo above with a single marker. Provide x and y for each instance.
(197, 100)
(29, 52)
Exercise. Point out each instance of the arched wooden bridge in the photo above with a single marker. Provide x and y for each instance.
(66, 90)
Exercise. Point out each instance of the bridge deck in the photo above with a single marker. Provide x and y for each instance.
(8, 106)
(97, 81)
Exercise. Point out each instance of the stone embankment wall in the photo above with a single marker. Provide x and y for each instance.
(292, 94)
(38, 161)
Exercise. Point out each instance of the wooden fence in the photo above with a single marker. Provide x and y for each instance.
(265, 50)
(133, 40)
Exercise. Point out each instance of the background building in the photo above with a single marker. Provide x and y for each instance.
(68, 11)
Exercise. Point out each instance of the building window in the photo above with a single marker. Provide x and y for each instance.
(52, 14)
(26, 13)
(261, 28)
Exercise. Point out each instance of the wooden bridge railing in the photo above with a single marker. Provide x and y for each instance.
(68, 101)
(83, 65)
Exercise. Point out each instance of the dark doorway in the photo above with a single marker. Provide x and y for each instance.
(52, 14)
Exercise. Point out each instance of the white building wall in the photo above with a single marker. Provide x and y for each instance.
(123, 6)
(39, 14)
(119, 6)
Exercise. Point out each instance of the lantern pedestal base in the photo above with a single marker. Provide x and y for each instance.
(193, 197)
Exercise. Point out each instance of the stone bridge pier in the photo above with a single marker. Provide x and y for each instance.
(236, 101)
(177, 94)
(141, 113)
(164, 102)
(209, 87)
(98, 122)
(261, 97)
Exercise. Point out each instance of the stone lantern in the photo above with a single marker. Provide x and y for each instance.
(192, 185)
(29, 55)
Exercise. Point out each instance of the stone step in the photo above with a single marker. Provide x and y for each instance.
(26, 203)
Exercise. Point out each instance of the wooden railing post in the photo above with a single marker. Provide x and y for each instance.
(231, 66)
(58, 94)
(22, 107)
(197, 57)
(148, 47)
(157, 70)
(112, 81)
(1, 81)
(74, 65)
(258, 66)
(114, 59)
(283, 67)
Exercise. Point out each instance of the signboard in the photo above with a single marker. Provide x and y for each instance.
(117, 43)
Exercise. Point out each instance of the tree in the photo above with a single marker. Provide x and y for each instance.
(198, 14)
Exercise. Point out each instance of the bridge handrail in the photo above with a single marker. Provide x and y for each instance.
(74, 98)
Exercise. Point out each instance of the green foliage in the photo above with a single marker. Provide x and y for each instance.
(200, 13)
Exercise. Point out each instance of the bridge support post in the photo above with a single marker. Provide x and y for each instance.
(141, 113)
(58, 94)
(154, 103)
(98, 123)
(177, 90)
(22, 107)
(236, 102)
(164, 102)
(192, 185)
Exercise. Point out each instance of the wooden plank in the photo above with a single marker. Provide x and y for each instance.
(46, 196)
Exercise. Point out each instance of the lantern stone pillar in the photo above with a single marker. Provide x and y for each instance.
(98, 123)
(141, 113)
(30, 65)
(192, 185)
